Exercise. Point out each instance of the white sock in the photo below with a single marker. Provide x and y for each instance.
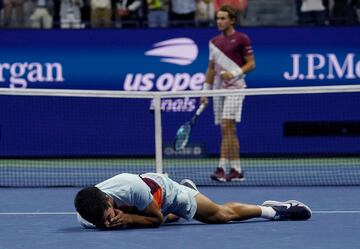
(223, 163)
(235, 164)
(267, 212)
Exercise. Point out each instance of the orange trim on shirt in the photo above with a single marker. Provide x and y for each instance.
(158, 196)
(155, 189)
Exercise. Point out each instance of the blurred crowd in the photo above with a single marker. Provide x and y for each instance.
(325, 12)
(160, 13)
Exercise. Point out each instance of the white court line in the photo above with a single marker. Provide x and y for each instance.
(73, 213)
(337, 212)
(40, 213)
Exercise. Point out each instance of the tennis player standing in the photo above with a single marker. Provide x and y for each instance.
(231, 57)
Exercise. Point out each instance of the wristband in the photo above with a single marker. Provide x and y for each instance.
(207, 86)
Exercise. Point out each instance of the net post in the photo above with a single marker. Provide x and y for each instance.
(158, 134)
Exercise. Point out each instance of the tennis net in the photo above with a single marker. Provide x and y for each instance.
(288, 136)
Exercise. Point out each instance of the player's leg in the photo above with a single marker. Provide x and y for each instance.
(232, 147)
(219, 173)
(207, 208)
(231, 115)
(201, 208)
(225, 145)
(229, 140)
(210, 212)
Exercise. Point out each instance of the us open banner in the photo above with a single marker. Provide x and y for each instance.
(172, 59)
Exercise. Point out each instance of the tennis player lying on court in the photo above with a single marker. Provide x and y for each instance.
(148, 200)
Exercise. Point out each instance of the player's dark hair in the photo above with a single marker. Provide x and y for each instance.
(90, 203)
(230, 10)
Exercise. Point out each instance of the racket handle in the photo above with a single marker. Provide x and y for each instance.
(200, 109)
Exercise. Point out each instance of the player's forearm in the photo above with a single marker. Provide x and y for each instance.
(249, 64)
(210, 73)
(248, 67)
(209, 77)
(135, 220)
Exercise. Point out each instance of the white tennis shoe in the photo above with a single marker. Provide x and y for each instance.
(289, 210)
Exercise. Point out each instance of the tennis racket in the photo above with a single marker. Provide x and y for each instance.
(183, 133)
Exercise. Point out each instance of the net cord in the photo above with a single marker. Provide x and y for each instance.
(176, 94)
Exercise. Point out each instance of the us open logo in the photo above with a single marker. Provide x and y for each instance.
(179, 51)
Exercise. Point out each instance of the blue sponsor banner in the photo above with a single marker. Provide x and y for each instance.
(170, 60)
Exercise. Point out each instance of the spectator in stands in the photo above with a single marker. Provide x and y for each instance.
(158, 13)
(42, 15)
(128, 13)
(312, 12)
(357, 10)
(70, 13)
(182, 13)
(1, 6)
(56, 13)
(9, 6)
(344, 12)
(205, 13)
(101, 12)
(239, 5)
(298, 4)
(86, 13)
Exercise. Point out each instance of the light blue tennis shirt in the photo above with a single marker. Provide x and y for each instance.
(130, 190)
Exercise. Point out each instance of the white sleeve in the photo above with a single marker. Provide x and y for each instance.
(84, 222)
(140, 195)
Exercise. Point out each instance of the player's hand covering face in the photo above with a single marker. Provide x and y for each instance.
(114, 218)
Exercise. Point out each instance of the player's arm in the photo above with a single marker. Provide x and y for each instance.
(209, 80)
(151, 216)
(210, 73)
(249, 64)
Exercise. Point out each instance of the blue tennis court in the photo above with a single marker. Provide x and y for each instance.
(44, 218)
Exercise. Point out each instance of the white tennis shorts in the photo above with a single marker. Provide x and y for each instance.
(228, 107)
